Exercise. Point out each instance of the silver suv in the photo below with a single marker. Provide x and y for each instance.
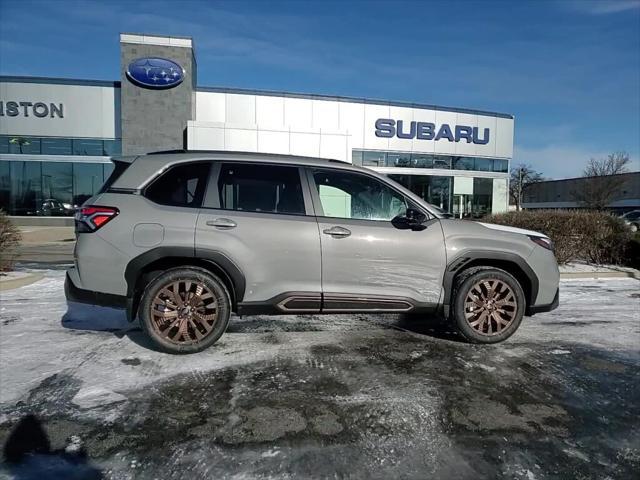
(181, 240)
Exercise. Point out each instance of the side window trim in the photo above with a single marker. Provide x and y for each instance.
(211, 197)
(317, 204)
(315, 196)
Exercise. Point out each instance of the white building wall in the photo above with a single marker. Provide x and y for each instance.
(88, 111)
(302, 120)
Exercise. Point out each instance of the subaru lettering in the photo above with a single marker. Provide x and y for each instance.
(388, 128)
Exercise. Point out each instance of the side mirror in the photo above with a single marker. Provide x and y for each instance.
(412, 219)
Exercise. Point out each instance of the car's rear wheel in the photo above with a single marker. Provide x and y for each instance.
(185, 310)
(488, 305)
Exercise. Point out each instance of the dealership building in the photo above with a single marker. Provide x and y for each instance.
(57, 135)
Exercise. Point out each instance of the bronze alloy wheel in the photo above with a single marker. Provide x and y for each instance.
(184, 312)
(490, 306)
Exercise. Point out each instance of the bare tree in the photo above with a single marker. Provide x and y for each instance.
(522, 177)
(602, 181)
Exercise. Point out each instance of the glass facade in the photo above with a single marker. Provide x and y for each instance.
(461, 194)
(59, 146)
(30, 187)
(420, 160)
(433, 189)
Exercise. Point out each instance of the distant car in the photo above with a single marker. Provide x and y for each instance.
(55, 208)
(632, 219)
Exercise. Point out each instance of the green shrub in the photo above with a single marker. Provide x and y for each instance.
(578, 235)
(9, 239)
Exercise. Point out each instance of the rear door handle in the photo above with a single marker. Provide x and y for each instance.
(224, 223)
(337, 232)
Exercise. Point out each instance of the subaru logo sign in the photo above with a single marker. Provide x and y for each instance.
(156, 73)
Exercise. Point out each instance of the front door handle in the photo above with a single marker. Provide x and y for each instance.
(337, 232)
(222, 223)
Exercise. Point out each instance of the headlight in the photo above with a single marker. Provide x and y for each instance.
(543, 242)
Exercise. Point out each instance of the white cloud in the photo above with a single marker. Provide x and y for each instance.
(604, 7)
(561, 161)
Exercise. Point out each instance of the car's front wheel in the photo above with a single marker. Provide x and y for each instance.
(488, 305)
(185, 310)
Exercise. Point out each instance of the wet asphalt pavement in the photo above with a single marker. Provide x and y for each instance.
(336, 397)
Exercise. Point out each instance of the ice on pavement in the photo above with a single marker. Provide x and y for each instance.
(41, 335)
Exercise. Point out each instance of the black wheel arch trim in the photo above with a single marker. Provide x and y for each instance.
(470, 258)
(214, 258)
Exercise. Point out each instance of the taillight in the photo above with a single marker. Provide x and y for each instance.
(93, 217)
(543, 242)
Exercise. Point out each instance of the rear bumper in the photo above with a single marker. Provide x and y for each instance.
(533, 309)
(79, 295)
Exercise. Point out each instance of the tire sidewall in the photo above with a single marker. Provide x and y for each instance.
(463, 289)
(212, 282)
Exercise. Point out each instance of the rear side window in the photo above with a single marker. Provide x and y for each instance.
(260, 188)
(180, 186)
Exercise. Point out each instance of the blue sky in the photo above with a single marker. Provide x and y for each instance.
(568, 70)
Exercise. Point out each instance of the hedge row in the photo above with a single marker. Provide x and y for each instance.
(589, 236)
(9, 239)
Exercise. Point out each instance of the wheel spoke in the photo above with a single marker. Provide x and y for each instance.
(166, 314)
(479, 321)
(199, 335)
(165, 331)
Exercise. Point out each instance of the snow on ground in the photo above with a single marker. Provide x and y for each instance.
(338, 395)
(41, 334)
(585, 267)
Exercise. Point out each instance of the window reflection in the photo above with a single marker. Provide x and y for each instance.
(441, 162)
(87, 180)
(484, 164)
(26, 190)
(24, 145)
(433, 189)
(59, 146)
(374, 159)
(86, 146)
(56, 146)
(48, 188)
(421, 160)
(501, 166)
(463, 163)
(482, 197)
(57, 181)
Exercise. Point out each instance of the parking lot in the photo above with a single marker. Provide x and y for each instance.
(342, 396)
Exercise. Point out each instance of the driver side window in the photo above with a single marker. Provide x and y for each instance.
(351, 195)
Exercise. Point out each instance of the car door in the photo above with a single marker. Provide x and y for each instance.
(367, 263)
(260, 216)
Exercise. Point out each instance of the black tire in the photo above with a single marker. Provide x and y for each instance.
(190, 327)
(469, 308)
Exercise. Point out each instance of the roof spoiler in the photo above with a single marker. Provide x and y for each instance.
(124, 158)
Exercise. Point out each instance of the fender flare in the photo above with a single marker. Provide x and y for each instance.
(218, 259)
(471, 257)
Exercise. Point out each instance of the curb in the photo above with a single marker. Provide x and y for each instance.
(596, 275)
(12, 283)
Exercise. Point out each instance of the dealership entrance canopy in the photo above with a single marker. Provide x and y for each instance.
(56, 135)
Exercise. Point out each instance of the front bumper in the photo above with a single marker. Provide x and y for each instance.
(533, 309)
(79, 295)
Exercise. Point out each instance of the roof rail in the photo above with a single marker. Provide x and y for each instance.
(182, 150)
